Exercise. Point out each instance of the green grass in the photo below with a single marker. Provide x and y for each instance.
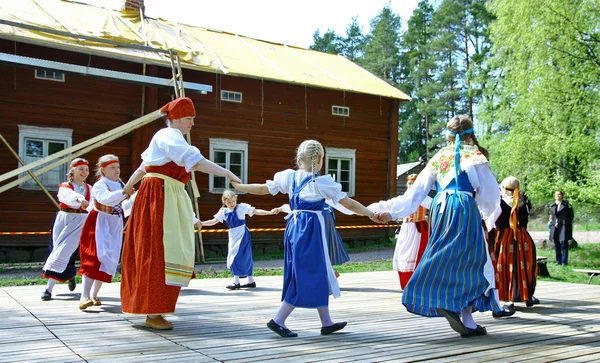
(587, 256)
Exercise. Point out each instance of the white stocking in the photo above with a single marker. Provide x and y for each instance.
(87, 286)
(325, 317)
(96, 288)
(467, 317)
(50, 286)
(284, 311)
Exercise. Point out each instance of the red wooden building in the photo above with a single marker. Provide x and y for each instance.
(69, 72)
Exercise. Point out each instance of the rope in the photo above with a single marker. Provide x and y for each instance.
(220, 230)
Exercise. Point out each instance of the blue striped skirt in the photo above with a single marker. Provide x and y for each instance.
(451, 273)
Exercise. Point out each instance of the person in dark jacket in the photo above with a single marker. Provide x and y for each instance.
(561, 227)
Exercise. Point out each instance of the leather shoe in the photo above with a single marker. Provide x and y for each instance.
(158, 323)
(474, 332)
(453, 319)
(504, 313)
(72, 284)
(96, 301)
(281, 331)
(84, 304)
(46, 295)
(248, 286)
(233, 286)
(534, 301)
(326, 330)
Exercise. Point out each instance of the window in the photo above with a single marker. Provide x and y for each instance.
(232, 155)
(341, 165)
(36, 143)
(231, 96)
(49, 75)
(340, 111)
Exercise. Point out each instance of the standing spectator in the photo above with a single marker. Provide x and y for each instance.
(158, 252)
(561, 227)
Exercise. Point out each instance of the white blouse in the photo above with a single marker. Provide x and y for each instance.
(241, 210)
(325, 186)
(167, 145)
(70, 197)
(480, 176)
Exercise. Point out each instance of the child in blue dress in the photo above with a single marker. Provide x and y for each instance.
(239, 255)
(308, 277)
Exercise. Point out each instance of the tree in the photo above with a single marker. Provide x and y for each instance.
(549, 54)
(328, 43)
(353, 46)
(382, 51)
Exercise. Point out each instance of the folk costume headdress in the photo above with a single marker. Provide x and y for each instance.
(179, 108)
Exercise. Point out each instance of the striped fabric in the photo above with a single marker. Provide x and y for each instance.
(338, 254)
(450, 275)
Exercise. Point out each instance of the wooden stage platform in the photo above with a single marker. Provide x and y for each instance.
(214, 324)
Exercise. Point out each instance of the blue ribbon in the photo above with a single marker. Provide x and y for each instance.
(457, 136)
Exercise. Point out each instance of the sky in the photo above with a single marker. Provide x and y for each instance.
(280, 21)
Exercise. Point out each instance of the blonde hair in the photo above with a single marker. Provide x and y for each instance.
(461, 123)
(102, 160)
(228, 195)
(71, 173)
(307, 154)
(509, 185)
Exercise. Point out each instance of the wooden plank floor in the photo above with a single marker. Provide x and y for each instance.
(214, 324)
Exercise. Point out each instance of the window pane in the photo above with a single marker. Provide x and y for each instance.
(34, 148)
(345, 176)
(219, 182)
(221, 158)
(54, 147)
(235, 158)
(332, 164)
(345, 186)
(236, 169)
(345, 164)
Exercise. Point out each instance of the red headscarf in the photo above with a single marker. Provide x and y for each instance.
(179, 108)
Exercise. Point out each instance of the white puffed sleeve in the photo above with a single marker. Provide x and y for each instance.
(488, 193)
(490, 221)
(69, 197)
(329, 188)
(427, 202)
(408, 203)
(281, 183)
(220, 216)
(243, 209)
(169, 145)
(104, 196)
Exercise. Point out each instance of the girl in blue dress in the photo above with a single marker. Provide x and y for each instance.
(456, 275)
(239, 255)
(308, 278)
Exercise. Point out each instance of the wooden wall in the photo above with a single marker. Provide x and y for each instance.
(274, 118)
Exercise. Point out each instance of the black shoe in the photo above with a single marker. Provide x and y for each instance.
(72, 284)
(454, 320)
(46, 295)
(281, 331)
(474, 332)
(533, 301)
(503, 313)
(234, 286)
(326, 330)
(249, 286)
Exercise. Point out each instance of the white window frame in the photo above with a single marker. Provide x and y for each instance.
(228, 145)
(224, 91)
(46, 78)
(340, 111)
(338, 153)
(45, 134)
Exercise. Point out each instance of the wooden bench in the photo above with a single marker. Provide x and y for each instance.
(542, 267)
(592, 273)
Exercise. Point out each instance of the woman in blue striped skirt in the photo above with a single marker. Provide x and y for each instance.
(455, 276)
